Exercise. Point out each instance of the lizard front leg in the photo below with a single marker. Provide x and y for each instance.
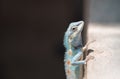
(75, 59)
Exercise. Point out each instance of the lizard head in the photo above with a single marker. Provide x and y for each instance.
(73, 35)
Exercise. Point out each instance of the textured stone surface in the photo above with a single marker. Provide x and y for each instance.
(106, 62)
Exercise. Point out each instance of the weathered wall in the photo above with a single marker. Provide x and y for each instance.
(105, 64)
(104, 25)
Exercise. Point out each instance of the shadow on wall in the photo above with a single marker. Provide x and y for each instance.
(104, 11)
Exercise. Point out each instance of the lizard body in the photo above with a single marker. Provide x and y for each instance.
(74, 51)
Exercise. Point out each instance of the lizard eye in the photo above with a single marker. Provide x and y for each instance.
(74, 28)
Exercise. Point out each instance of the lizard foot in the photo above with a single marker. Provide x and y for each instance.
(89, 57)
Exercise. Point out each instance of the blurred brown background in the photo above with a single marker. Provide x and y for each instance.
(32, 37)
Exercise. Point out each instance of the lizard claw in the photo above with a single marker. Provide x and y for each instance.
(89, 57)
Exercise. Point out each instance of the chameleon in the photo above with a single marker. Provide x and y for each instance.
(74, 50)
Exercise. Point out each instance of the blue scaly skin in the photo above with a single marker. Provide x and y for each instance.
(74, 50)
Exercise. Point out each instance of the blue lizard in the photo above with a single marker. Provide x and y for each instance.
(74, 50)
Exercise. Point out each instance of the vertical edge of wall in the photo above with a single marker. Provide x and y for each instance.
(85, 30)
(86, 20)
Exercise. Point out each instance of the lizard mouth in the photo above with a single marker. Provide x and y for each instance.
(80, 26)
